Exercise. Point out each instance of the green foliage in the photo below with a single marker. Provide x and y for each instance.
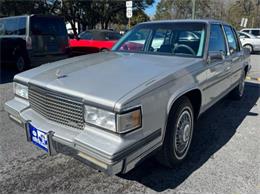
(230, 11)
(12, 8)
(138, 17)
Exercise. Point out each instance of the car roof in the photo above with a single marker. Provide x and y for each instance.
(208, 21)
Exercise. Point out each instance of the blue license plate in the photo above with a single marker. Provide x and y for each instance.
(38, 137)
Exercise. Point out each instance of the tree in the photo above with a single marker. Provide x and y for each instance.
(88, 13)
(138, 17)
(13, 8)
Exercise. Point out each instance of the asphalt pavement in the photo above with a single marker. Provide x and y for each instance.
(224, 156)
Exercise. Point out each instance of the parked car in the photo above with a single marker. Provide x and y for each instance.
(32, 40)
(93, 41)
(253, 31)
(113, 109)
(249, 41)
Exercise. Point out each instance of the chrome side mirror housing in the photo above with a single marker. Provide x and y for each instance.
(214, 56)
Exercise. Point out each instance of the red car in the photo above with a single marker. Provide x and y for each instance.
(93, 41)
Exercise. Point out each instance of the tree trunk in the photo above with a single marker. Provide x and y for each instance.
(106, 24)
(74, 29)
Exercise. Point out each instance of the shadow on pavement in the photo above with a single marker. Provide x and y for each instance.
(214, 129)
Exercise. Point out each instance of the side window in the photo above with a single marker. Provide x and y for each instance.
(113, 36)
(86, 36)
(21, 26)
(232, 39)
(256, 32)
(217, 39)
(13, 26)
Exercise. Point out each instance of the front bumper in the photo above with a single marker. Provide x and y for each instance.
(105, 151)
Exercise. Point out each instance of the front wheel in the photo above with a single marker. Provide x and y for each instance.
(179, 133)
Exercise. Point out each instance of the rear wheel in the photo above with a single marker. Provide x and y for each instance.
(238, 92)
(179, 133)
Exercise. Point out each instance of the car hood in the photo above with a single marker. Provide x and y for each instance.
(101, 78)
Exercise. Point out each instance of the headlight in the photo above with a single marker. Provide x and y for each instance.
(101, 118)
(21, 90)
(120, 123)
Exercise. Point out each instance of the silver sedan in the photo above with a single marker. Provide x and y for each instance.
(249, 41)
(113, 109)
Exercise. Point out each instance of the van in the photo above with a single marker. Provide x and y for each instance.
(31, 40)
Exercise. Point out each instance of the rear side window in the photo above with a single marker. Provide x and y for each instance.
(217, 39)
(232, 39)
(86, 35)
(13, 26)
(48, 26)
(113, 36)
(255, 32)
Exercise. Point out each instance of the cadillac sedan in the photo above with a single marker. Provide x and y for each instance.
(112, 109)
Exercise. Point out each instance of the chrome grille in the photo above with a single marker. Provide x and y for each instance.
(60, 108)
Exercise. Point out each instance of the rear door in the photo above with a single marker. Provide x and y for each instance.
(235, 56)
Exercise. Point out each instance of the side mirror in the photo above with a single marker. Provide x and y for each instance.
(242, 37)
(214, 56)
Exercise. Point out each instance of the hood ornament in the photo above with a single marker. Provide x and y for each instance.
(59, 74)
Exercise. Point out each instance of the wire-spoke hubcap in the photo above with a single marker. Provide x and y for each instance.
(183, 132)
(20, 64)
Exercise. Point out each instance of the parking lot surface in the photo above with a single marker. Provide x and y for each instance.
(224, 156)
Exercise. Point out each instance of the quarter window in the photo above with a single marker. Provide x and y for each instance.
(13, 26)
(217, 39)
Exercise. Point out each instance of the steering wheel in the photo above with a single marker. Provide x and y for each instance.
(186, 47)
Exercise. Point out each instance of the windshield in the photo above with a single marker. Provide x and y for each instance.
(179, 38)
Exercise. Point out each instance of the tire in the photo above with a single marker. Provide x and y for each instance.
(250, 47)
(238, 92)
(178, 134)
